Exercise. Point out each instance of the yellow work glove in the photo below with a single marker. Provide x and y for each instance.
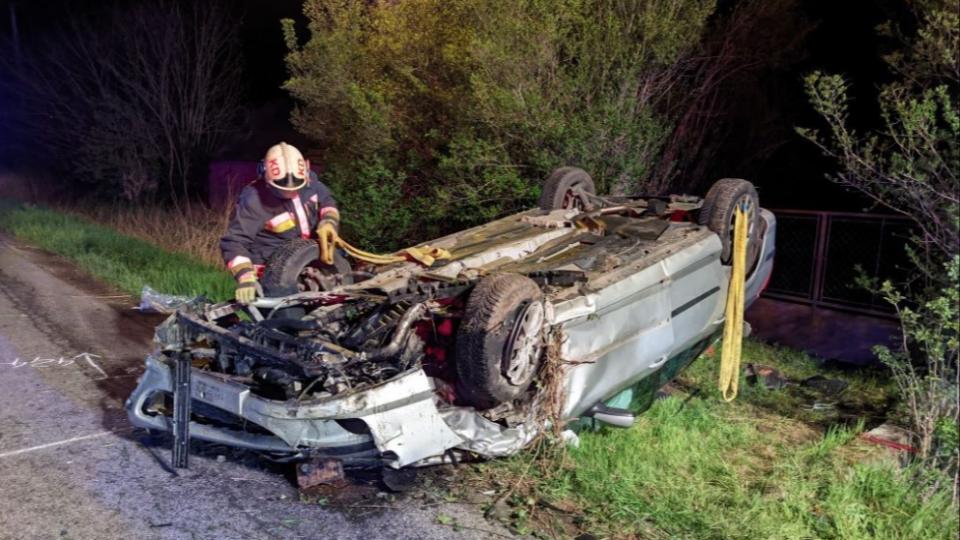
(246, 290)
(327, 237)
(246, 277)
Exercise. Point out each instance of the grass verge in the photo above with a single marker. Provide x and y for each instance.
(124, 261)
(701, 468)
(193, 230)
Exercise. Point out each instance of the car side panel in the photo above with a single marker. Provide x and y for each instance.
(672, 306)
(631, 332)
(698, 294)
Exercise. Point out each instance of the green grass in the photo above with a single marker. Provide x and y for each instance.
(708, 469)
(125, 262)
(869, 396)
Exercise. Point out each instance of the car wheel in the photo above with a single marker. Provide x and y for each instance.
(561, 190)
(719, 210)
(295, 267)
(500, 340)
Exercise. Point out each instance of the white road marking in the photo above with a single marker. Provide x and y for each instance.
(86, 356)
(58, 443)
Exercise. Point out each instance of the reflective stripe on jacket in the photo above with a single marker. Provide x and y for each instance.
(261, 222)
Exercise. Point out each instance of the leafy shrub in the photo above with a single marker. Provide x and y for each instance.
(466, 106)
(926, 371)
(374, 194)
(912, 166)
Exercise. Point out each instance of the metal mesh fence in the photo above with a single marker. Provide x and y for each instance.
(796, 249)
(820, 255)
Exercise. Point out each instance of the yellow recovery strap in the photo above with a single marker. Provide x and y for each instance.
(424, 255)
(733, 327)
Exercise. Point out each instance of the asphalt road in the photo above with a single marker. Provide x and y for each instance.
(72, 467)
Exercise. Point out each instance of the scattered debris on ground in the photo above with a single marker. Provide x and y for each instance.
(896, 438)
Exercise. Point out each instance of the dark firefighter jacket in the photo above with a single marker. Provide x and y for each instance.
(261, 222)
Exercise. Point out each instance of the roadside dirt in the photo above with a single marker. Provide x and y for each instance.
(71, 466)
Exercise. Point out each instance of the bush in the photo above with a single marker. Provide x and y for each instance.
(912, 166)
(926, 370)
(378, 215)
(465, 106)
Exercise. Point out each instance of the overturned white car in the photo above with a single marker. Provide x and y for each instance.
(404, 365)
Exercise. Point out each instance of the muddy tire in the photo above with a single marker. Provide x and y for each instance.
(559, 189)
(718, 211)
(295, 267)
(500, 340)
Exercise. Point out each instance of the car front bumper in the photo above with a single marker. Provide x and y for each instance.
(401, 424)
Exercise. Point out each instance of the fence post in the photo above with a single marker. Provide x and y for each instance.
(820, 257)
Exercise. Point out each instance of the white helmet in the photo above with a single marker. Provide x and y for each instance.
(284, 167)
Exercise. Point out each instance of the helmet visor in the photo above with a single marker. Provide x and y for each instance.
(288, 182)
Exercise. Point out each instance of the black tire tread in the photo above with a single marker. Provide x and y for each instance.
(560, 181)
(288, 260)
(489, 304)
(717, 210)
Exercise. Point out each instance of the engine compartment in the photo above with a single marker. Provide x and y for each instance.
(331, 349)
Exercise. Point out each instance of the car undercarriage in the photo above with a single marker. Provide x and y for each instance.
(403, 364)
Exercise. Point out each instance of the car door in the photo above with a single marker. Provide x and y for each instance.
(615, 336)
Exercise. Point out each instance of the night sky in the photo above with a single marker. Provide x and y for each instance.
(844, 41)
(262, 41)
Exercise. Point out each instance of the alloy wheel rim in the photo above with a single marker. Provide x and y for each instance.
(525, 345)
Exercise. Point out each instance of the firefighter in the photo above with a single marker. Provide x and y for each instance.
(286, 201)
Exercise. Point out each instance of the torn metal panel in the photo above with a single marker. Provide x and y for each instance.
(290, 426)
(412, 432)
(489, 439)
(158, 379)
